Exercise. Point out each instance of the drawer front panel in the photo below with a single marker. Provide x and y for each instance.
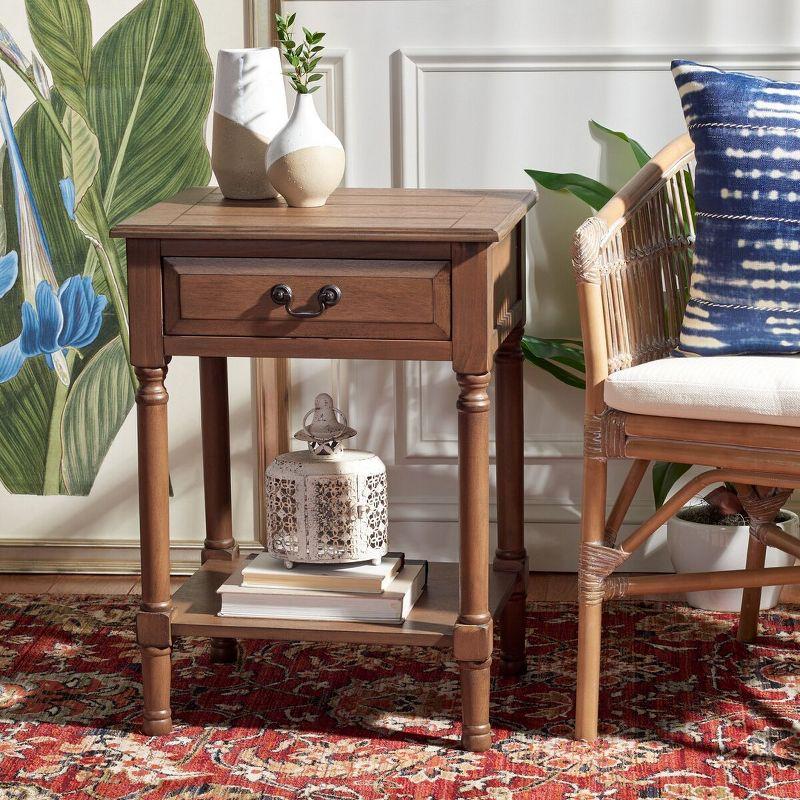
(383, 299)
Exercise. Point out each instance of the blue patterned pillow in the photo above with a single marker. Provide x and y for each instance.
(745, 292)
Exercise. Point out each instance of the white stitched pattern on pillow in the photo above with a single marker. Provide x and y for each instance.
(747, 195)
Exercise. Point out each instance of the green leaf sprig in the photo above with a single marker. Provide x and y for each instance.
(303, 58)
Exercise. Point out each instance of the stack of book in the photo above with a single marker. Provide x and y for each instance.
(365, 592)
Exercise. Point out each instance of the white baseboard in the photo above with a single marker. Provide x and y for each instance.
(112, 558)
(552, 547)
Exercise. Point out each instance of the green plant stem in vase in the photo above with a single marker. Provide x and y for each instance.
(303, 58)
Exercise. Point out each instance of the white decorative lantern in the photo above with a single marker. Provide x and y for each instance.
(326, 505)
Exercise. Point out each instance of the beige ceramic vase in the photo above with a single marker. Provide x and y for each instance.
(305, 160)
(249, 109)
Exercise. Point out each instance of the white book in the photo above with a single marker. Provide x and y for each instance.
(391, 606)
(264, 570)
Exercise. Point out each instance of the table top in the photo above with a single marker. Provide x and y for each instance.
(439, 215)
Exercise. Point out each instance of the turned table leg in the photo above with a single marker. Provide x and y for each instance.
(472, 638)
(510, 553)
(215, 423)
(153, 620)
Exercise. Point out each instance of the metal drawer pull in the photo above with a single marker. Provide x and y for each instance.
(327, 297)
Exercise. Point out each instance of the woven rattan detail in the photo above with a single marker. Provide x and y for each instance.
(595, 563)
(615, 586)
(762, 506)
(604, 435)
(586, 261)
(641, 266)
(610, 538)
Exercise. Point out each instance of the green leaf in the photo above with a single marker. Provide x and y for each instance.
(3, 248)
(544, 353)
(665, 474)
(315, 77)
(687, 173)
(62, 33)
(290, 20)
(149, 96)
(592, 192)
(26, 401)
(557, 372)
(640, 154)
(82, 161)
(566, 351)
(149, 92)
(97, 405)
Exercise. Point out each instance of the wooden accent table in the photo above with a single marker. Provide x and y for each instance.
(423, 274)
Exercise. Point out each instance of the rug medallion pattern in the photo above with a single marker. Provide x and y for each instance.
(687, 712)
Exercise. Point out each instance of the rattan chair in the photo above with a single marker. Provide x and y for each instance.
(633, 265)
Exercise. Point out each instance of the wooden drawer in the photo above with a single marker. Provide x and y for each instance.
(380, 299)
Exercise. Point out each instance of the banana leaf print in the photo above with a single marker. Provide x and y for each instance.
(118, 126)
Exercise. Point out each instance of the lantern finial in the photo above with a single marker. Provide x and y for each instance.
(328, 427)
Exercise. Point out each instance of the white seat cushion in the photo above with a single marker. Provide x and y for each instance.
(763, 389)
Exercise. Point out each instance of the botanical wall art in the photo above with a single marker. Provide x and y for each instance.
(113, 127)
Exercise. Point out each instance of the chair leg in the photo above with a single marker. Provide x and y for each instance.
(590, 609)
(762, 505)
(751, 598)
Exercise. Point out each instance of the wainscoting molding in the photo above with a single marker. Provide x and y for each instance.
(551, 525)
(259, 18)
(415, 445)
(411, 66)
(120, 557)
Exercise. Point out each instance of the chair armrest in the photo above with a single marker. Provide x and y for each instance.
(632, 264)
(667, 162)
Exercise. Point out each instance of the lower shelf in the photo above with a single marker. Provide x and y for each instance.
(430, 623)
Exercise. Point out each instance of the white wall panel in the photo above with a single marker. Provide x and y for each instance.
(435, 93)
(468, 94)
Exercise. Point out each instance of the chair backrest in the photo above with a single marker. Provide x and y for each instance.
(633, 264)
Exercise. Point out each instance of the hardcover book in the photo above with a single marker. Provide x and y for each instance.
(391, 606)
(264, 570)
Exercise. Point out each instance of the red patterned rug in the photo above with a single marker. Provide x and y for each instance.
(687, 714)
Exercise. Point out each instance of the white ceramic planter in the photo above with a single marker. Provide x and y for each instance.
(694, 547)
(249, 110)
(305, 161)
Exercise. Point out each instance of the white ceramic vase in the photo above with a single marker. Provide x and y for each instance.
(305, 161)
(249, 109)
(695, 547)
